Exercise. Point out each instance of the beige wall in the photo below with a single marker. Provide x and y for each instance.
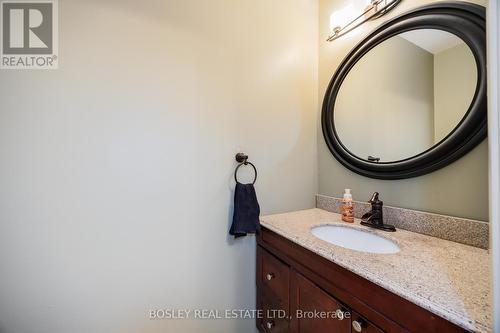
(455, 77)
(378, 113)
(460, 189)
(116, 170)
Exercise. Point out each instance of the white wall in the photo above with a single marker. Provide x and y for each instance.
(116, 169)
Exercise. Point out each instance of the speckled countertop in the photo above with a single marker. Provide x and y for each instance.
(449, 279)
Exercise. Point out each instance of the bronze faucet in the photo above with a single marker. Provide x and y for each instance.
(375, 217)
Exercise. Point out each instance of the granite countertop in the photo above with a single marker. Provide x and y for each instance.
(449, 279)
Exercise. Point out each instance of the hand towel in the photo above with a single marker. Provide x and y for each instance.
(246, 211)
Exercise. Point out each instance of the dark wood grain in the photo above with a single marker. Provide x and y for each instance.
(279, 272)
(306, 297)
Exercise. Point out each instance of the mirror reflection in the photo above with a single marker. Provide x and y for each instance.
(405, 95)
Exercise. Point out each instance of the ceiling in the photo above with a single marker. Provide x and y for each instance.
(432, 40)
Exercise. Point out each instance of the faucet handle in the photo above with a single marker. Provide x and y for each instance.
(374, 197)
(375, 202)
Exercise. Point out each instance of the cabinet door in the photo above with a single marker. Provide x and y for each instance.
(315, 311)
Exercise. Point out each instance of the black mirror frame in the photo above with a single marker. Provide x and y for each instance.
(462, 19)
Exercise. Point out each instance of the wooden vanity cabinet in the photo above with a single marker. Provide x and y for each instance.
(288, 300)
(295, 287)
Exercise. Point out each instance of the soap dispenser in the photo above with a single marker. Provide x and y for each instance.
(347, 207)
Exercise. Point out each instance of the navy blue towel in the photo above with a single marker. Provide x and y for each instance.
(246, 211)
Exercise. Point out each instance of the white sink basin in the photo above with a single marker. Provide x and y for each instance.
(354, 239)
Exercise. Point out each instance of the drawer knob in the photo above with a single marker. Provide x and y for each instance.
(339, 314)
(269, 276)
(270, 324)
(358, 325)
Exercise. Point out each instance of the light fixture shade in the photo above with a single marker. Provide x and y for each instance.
(340, 18)
(357, 12)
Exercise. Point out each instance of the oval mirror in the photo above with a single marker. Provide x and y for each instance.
(405, 95)
(410, 98)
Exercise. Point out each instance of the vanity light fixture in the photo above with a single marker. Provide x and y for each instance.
(341, 25)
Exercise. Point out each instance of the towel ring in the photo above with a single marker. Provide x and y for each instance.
(245, 163)
(243, 159)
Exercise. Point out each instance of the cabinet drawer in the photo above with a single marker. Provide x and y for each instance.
(360, 324)
(275, 277)
(274, 317)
